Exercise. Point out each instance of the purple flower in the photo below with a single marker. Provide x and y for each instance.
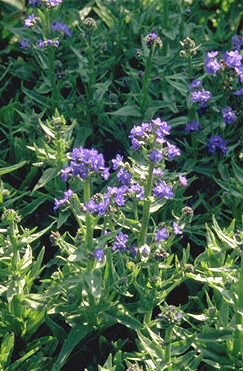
(237, 42)
(84, 162)
(99, 254)
(117, 162)
(34, 3)
(201, 97)
(161, 235)
(24, 44)
(217, 143)
(120, 243)
(172, 151)
(30, 21)
(163, 190)
(153, 36)
(192, 126)
(162, 128)
(124, 177)
(105, 173)
(239, 72)
(155, 156)
(136, 190)
(51, 3)
(239, 92)
(183, 180)
(117, 194)
(67, 195)
(228, 115)
(133, 251)
(176, 228)
(158, 173)
(40, 44)
(195, 84)
(211, 64)
(61, 28)
(232, 58)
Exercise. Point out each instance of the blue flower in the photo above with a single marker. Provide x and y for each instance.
(161, 189)
(201, 97)
(211, 63)
(176, 228)
(192, 126)
(195, 84)
(67, 195)
(172, 151)
(117, 162)
(228, 115)
(24, 43)
(124, 177)
(61, 27)
(217, 143)
(161, 235)
(155, 156)
(232, 58)
(183, 180)
(99, 254)
(120, 243)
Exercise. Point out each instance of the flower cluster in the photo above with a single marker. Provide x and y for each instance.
(217, 143)
(192, 126)
(61, 28)
(67, 195)
(42, 44)
(232, 58)
(30, 21)
(201, 97)
(84, 162)
(153, 132)
(171, 316)
(195, 84)
(161, 235)
(120, 242)
(211, 63)
(161, 189)
(228, 115)
(152, 39)
(34, 3)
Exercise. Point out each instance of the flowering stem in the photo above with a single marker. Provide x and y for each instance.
(89, 226)
(14, 245)
(146, 206)
(50, 56)
(144, 93)
(238, 338)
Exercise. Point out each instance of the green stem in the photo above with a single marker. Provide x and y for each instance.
(167, 356)
(14, 246)
(147, 317)
(238, 338)
(89, 226)
(144, 93)
(50, 56)
(190, 67)
(146, 206)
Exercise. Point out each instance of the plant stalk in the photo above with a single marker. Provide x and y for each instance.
(89, 224)
(146, 206)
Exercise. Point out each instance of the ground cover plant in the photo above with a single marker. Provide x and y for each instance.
(121, 191)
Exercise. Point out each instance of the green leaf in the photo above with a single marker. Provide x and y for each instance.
(94, 282)
(38, 98)
(6, 349)
(48, 175)
(126, 111)
(56, 329)
(74, 337)
(215, 335)
(9, 169)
